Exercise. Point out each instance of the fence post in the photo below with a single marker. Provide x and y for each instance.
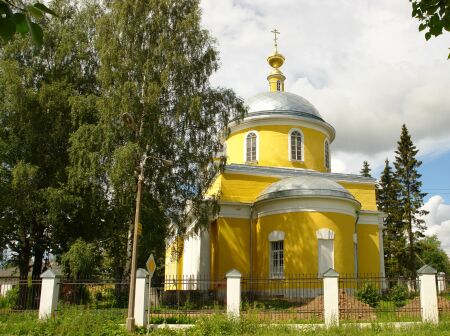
(441, 282)
(428, 295)
(233, 293)
(331, 298)
(141, 298)
(49, 293)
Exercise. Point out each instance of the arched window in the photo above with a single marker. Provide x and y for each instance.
(278, 85)
(295, 145)
(327, 155)
(325, 242)
(251, 147)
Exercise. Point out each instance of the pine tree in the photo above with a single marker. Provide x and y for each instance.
(365, 170)
(411, 198)
(388, 201)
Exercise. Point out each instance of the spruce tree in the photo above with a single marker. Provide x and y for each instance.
(365, 170)
(388, 201)
(411, 197)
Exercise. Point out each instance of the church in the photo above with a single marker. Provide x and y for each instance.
(282, 210)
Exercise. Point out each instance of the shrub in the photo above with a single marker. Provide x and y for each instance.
(399, 294)
(369, 294)
(10, 299)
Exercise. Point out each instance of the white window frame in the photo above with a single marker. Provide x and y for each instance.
(326, 158)
(276, 236)
(257, 146)
(302, 158)
(324, 235)
(278, 85)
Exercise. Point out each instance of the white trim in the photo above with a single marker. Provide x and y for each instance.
(288, 120)
(302, 149)
(276, 236)
(381, 247)
(326, 144)
(306, 204)
(370, 218)
(257, 146)
(283, 172)
(325, 233)
(234, 210)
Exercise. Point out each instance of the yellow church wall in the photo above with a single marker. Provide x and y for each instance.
(273, 147)
(301, 245)
(231, 247)
(215, 187)
(368, 248)
(243, 188)
(364, 193)
(174, 262)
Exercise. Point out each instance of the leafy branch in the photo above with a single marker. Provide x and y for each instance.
(17, 17)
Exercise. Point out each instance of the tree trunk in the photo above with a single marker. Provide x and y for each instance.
(127, 269)
(24, 255)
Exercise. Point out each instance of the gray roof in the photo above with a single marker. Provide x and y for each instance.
(281, 103)
(305, 186)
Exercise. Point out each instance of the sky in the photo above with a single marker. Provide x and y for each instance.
(363, 64)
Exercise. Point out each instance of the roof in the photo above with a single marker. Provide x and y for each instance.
(305, 186)
(281, 103)
(283, 172)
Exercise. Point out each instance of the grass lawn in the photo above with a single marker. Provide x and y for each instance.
(103, 323)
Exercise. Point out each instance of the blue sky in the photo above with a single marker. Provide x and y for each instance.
(366, 68)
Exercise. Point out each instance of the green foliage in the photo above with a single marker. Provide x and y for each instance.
(399, 294)
(433, 15)
(10, 299)
(37, 214)
(81, 261)
(411, 197)
(16, 17)
(370, 294)
(365, 170)
(388, 200)
(430, 252)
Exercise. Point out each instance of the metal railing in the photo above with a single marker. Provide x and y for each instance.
(17, 295)
(374, 298)
(291, 298)
(97, 295)
(183, 299)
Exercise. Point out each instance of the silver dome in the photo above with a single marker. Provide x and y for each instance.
(305, 186)
(281, 103)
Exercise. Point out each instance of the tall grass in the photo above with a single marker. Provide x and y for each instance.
(85, 322)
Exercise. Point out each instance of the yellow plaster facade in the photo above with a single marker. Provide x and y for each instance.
(282, 209)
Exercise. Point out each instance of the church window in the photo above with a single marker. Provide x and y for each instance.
(277, 259)
(276, 239)
(251, 147)
(278, 85)
(295, 145)
(325, 239)
(327, 155)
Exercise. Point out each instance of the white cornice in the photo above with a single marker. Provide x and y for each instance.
(280, 172)
(291, 120)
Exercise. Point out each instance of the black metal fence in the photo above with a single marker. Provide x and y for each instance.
(97, 295)
(18, 295)
(373, 298)
(293, 298)
(183, 299)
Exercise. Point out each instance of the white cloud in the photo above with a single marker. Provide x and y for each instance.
(363, 64)
(438, 220)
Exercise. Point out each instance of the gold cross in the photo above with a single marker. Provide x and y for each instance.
(275, 39)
